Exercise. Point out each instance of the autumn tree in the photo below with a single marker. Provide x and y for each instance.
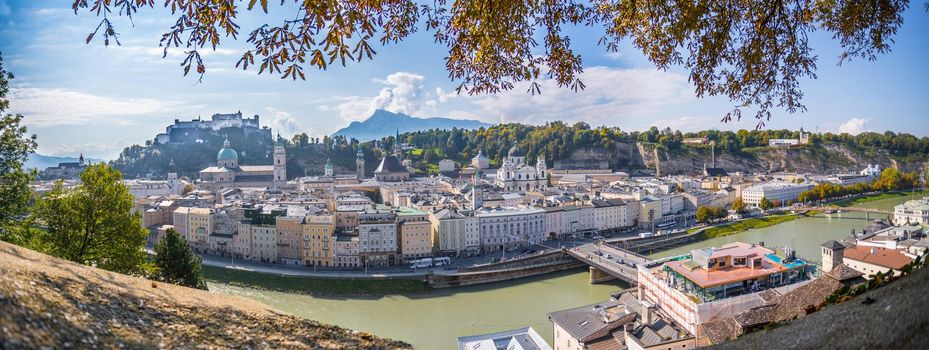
(738, 205)
(755, 52)
(92, 223)
(176, 262)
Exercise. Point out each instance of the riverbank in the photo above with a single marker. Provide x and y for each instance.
(877, 197)
(315, 285)
(748, 224)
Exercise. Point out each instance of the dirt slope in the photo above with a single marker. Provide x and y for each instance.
(46, 302)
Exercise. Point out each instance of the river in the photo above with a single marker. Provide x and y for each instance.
(434, 320)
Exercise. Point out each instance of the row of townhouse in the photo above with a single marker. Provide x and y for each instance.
(358, 235)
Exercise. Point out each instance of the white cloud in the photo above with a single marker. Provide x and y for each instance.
(90, 149)
(52, 106)
(284, 123)
(612, 95)
(854, 126)
(404, 93)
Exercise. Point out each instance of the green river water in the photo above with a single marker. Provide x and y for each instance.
(434, 320)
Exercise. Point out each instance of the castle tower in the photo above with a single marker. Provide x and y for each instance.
(360, 163)
(328, 168)
(833, 254)
(280, 165)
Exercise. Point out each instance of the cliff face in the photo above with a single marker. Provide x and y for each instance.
(804, 159)
(46, 302)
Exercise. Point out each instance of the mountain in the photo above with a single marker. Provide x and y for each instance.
(41, 162)
(383, 123)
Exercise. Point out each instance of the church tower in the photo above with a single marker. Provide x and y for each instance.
(328, 169)
(477, 199)
(360, 163)
(280, 165)
(172, 176)
(80, 160)
(541, 168)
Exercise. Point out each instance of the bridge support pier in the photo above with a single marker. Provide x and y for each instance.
(597, 276)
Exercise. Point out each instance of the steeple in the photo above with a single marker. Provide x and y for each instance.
(80, 160)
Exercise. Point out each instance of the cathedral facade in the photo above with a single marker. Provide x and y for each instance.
(229, 174)
(515, 175)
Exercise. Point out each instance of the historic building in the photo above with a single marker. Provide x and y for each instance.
(515, 175)
(190, 131)
(229, 174)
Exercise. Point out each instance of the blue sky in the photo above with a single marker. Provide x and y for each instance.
(97, 100)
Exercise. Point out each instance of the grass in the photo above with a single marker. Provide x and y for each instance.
(748, 224)
(312, 285)
(416, 152)
(859, 200)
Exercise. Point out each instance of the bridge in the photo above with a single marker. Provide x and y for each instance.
(608, 262)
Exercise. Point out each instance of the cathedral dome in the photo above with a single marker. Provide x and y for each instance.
(227, 153)
(515, 152)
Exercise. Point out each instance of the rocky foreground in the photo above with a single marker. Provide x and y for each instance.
(47, 302)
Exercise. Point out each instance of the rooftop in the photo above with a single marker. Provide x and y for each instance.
(889, 258)
(517, 339)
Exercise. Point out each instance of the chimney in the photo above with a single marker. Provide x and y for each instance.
(873, 250)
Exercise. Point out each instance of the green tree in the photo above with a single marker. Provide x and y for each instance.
(765, 204)
(15, 146)
(738, 205)
(92, 223)
(177, 263)
(703, 214)
(755, 52)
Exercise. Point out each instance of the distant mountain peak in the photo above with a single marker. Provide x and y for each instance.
(385, 123)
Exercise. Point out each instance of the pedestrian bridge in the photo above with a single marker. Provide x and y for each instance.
(608, 262)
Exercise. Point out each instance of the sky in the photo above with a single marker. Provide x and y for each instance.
(95, 100)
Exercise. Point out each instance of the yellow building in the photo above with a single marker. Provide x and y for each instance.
(199, 227)
(415, 233)
(318, 239)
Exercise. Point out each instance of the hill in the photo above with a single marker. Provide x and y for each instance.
(383, 123)
(46, 302)
(41, 162)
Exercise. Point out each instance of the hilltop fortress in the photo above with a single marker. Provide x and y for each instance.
(190, 131)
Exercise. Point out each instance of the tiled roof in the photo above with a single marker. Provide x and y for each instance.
(587, 323)
(843, 273)
(390, 164)
(832, 244)
(889, 258)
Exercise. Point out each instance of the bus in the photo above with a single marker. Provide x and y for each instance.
(421, 263)
(442, 261)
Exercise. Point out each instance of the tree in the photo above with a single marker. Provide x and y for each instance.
(187, 189)
(754, 51)
(703, 214)
(15, 146)
(176, 263)
(92, 223)
(765, 204)
(738, 205)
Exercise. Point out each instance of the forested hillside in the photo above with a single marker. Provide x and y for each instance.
(741, 150)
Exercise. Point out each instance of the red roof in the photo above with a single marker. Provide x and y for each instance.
(890, 258)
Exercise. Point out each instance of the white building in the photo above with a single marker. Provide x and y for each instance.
(508, 227)
(609, 214)
(515, 175)
(783, 192)
(446, 165)
(912, 212)
(873, 170)
(480, 161)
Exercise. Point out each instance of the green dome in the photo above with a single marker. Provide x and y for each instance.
(227, 154)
